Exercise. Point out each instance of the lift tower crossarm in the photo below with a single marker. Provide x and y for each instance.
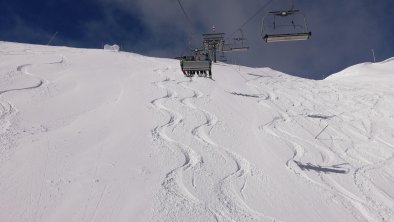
(213, 42)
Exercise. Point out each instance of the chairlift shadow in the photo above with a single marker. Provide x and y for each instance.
(320, 116)
(259, 76)
(248, 95)
(321, 169)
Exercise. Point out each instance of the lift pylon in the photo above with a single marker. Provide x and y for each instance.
(213, 43)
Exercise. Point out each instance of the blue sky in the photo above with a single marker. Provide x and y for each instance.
(343, 31)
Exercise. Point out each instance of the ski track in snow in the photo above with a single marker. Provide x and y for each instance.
(228, 203)
(175, 191)
(232, 207)
(23, 69)
(230, 198)
(8, 110)
(10, 132)
(340, 139)
(374, 205)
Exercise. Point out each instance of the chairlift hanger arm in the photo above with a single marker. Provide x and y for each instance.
(284, 13)
(274, 14)
(239, 39)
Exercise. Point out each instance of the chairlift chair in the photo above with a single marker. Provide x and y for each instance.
(239, 48)
(227, 47)
(240, 43)
(300, 32)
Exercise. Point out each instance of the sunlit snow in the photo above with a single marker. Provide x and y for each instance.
(98, 135)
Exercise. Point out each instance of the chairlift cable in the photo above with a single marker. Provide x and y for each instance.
(253, 16)
(191, 30)
(184, 12)
(292, 5)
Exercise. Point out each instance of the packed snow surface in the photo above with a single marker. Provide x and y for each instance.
(96, 135)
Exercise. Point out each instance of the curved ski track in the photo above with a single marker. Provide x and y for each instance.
(210, 193)
(174, 190)
(8, 111)
(23, 69)
(374, 204)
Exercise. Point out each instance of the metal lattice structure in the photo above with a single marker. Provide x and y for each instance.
(213, 43)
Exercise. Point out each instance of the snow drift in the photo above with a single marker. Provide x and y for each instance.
(92, 135)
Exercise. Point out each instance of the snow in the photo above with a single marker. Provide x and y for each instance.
(367, 72)
(92, 135)
(113, 48)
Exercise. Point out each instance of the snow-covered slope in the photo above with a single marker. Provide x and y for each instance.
(95, 135)
(367, 72)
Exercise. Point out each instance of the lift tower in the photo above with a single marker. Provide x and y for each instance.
(213, 43)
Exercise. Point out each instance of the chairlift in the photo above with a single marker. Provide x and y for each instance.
(227, 47)
(294, 28)
(240, 43)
